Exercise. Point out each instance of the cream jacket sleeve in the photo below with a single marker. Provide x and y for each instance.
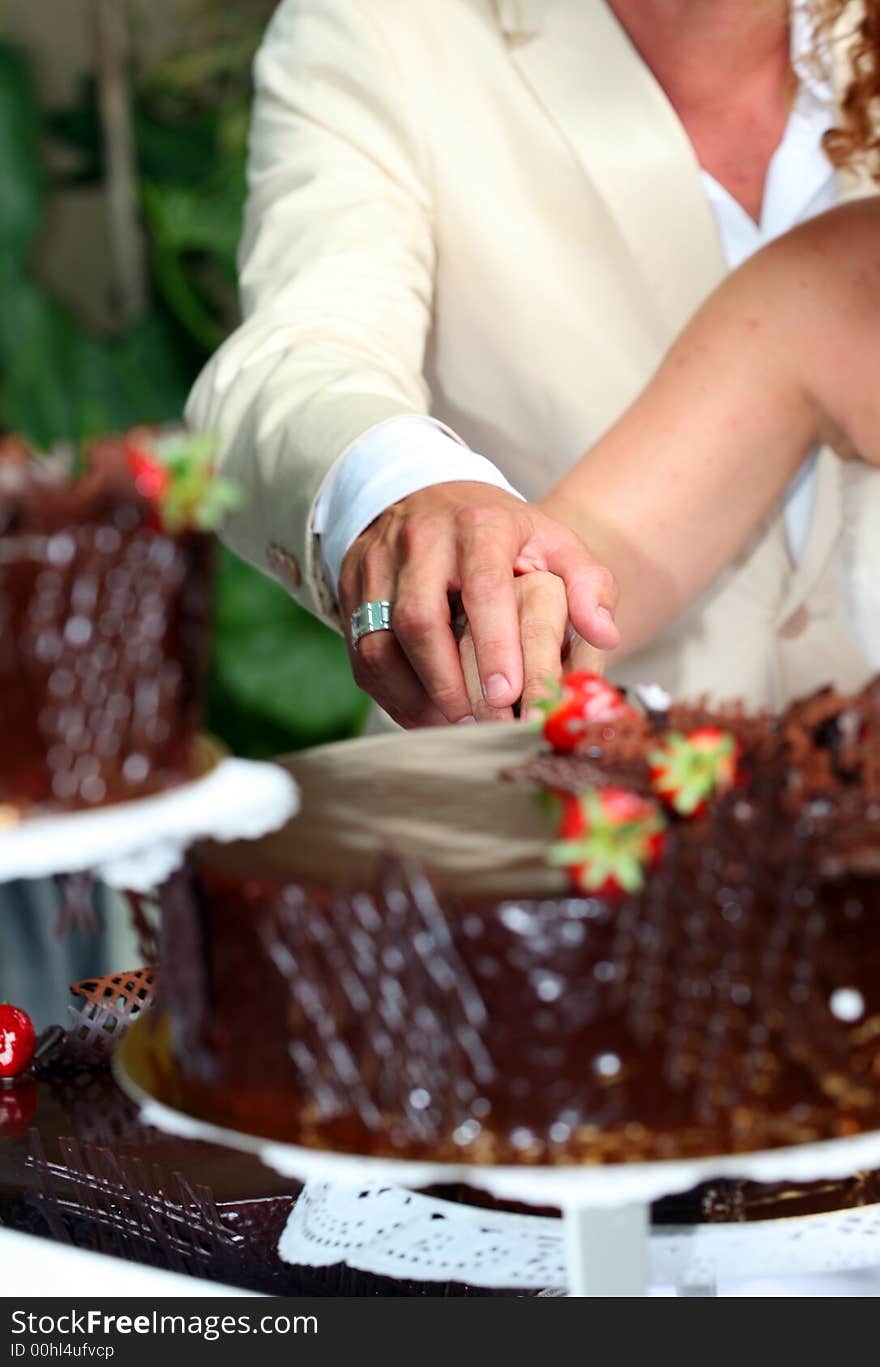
(337, 263)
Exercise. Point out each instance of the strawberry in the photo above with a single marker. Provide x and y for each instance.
(609, 837)
(17, 1040)
(581, 698)
(686, 770)
(174, 472)
(18, 1106)
(151, 476)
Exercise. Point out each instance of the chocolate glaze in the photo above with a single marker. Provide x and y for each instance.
(542, 1031)
(103, 636)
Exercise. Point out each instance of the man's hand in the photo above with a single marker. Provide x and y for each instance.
(473, 540)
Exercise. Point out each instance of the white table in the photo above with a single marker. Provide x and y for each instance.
(38, 1267)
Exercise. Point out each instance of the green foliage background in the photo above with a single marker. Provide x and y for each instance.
(279, 679)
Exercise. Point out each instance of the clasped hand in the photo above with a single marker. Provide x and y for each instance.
(525, 582)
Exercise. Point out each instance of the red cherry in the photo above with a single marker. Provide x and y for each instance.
(18, 1106)
(17, 1040)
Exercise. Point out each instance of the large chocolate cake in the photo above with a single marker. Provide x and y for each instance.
(400, 971)
(103, 632)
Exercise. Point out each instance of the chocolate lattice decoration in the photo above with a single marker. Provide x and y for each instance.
(111, 1006)
(386, 959)
(121, 1205)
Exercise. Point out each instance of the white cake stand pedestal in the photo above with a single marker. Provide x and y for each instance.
(136, 845)
(607, 1250)
(372, 1214)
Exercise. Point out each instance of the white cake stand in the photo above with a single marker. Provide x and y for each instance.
(605, 1247)
(136, 845)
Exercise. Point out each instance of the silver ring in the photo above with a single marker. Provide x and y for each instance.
(370, 617)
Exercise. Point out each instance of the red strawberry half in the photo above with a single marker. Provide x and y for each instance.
(580, 700)
(687, 770)
(17, 1040)
(152, 478)
(609, 838)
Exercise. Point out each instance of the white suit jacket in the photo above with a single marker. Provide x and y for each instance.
(485, 210)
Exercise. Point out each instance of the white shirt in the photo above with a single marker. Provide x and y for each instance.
(406, 454)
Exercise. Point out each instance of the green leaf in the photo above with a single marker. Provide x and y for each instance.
(166, 156)
(194, 231)
(38, 365)
(204, 217)
(279, 664)
(136, 379)
(21, 174)
(57, 383)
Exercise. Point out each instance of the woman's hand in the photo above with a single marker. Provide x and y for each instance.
(550, 647)
(470, 540)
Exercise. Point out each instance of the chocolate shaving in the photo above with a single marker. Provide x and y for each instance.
(817, 767)
(575, 773)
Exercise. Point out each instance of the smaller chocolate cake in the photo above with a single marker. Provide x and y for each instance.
(104, 611)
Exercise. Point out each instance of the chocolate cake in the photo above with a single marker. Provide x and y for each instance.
(104, 608)
(400, 971)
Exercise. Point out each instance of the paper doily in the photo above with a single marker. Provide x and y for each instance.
(395, 1233)
(138, 844)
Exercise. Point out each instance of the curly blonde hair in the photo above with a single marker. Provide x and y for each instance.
(856, 140)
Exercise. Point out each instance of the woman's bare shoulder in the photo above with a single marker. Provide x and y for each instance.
(844, 242)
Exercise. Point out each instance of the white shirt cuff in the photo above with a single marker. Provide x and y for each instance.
(395, 459)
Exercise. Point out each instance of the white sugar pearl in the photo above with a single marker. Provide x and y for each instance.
(847, 1004)
(549, 988)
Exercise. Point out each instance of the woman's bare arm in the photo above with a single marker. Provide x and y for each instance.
(785, 353)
